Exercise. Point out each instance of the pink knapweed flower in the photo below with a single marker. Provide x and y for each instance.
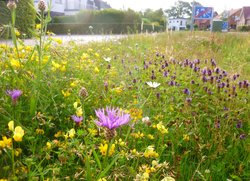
(111, 118)
(14, 94)
(77, 119)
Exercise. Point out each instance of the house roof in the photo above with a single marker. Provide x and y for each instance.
(233, 11)
(246, 12)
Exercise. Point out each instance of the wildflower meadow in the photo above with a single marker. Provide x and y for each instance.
(167, 106)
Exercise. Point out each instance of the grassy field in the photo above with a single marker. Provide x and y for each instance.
(170, 106)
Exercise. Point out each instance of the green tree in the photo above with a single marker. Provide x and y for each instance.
(154, 16)
(181, 9)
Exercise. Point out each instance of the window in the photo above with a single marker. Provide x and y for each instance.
(181, 23)
(169, 21)
(177, 21)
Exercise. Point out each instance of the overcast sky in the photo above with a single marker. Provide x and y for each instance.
(138, 5)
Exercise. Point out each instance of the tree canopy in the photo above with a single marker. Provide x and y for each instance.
(181, 9)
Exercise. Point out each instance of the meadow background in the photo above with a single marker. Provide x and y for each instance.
(187, 95)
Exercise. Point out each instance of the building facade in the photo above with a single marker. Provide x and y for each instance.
(244, 18)
(71, 7)
(177, 24)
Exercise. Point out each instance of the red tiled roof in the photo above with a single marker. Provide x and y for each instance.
(233, 11)
(246, 12)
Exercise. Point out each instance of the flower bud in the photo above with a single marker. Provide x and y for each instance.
(11, 5)
(41, 5)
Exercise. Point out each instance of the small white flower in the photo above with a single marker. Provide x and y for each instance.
(153, 84)
(107, 59)
(145, 119)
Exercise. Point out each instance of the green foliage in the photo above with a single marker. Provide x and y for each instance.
(155, 16)
(181, 9)
(26, 15)
(196, 122)
(101, 28)
(217, 26)
(102, 22)
(244, 28)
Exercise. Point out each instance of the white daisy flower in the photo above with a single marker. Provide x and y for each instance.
(153, 84)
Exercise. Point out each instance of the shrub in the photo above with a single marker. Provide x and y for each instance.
(100, 28)
(243, 28)
(25, 17)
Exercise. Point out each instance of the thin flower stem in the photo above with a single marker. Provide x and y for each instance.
(13, 34)
(146, 99)
(13, 159)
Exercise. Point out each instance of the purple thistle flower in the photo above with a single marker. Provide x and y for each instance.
(111, 118)
(186, 91)
(239, 124)
(77, 119)
(14, 94)
(243, 136)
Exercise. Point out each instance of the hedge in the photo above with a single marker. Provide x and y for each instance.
(100, 28)
(244, 28)
(101, 16)
(25, 17)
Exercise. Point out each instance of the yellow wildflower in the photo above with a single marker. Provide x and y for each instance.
(135, 113)
(161, 128)
(11, 125)
(18, 133)
(150, 153)
(96, 70)
(15, 63)
(17, 32)
(58, 134)
(39, 131)
(72, 133)
(102, 179)
(66, 93)
(48, 144)
(104, 147)
(186, 137)
(93, 132)
(38, 26)
(79, 111)
(2, 144)
(150, 136)
(97, 55)
(57, 40)
(18, 151)
(84, 56)
(90, 50)
(118, 90)
(73, 84)
(6, 141)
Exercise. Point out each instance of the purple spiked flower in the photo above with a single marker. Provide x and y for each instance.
(186, 91)
(111, 118)
(77, 119)
(14, 94)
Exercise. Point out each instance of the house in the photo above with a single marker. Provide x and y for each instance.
(233, 17)
(204, 24)
(177, 24)
(71, 7)
(244, 18)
